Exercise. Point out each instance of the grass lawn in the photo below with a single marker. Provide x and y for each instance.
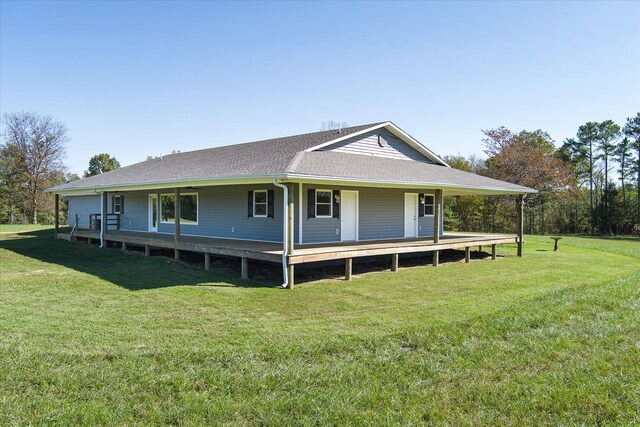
(91, 336)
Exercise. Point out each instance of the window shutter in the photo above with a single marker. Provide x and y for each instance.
(113, 199)
(250, 205)
(270, 195)
(421, 200)
(311, 203)
(121, 204)
(336, 206)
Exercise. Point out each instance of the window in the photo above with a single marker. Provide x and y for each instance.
(188, 208)
(324, 204)
(428, 204)
(260, 202)
(117, 204)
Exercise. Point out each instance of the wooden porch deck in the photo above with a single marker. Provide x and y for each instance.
(272, 252)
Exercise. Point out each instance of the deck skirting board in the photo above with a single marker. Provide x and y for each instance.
(272, 252)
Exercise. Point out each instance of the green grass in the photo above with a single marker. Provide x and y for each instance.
(91, 336)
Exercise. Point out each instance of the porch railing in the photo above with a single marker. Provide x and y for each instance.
(95, 221)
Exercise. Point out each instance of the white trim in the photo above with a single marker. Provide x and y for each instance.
(299, 212)
(357, 215)
(266, 203)
(315, 179)
(412, 142)
(415, 213)
(150, 212)
(169, 183)
(113, 204)
(191, 193)
(330, 203)
(425, 204)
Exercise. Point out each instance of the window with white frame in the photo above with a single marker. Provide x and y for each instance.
(260, 203)
(188, 208)
(324, 204)
(428, 204)
(117, 204)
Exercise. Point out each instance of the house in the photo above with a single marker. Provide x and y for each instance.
(337, 194)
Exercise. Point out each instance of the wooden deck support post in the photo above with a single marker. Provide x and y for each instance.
(394, 262)
(493, 252)
(124, 246)
(480, 248)
(147, 250)
(207, 261)
(57, 217)
(437, 212)
(244, 268)
(176, 222)
(89, 241)
(436, 258)
(348, 268)
(291, 214)
(520, 223)
(467, 254)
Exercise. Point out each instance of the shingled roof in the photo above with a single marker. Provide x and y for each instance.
(289, 157)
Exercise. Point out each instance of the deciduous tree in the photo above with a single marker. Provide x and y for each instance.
(101, 163)
(33, 147)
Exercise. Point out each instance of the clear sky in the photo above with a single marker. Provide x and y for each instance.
(141, 78)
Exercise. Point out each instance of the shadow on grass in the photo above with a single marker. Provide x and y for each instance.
(129, 269)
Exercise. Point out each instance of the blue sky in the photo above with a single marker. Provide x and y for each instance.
(140, 78)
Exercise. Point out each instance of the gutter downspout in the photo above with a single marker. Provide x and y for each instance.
(103, 217)
(285, 234)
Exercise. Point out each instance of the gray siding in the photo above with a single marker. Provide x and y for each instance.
(222, 212)
(381, 216)
(82, 206)
(367, 144)
(136, 211)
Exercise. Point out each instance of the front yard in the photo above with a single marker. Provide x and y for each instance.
(91, 336)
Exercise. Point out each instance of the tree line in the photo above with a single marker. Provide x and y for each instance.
(587, 185)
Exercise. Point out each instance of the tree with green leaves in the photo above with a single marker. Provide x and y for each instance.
(608, 132)
(632, 130)
(32, 152)
(101, 163)
(623, 155)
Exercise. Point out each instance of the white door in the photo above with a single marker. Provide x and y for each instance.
(153, 212)
(410, 215)
(348, 215)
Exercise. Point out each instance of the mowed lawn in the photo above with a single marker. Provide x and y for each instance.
(91, 336)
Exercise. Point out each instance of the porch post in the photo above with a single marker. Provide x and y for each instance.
(57, 215)
(437, 212)
(520, 223)
(103, 223)
(291, 211)
(176, 222)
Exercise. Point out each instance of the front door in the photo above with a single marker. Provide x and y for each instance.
(410, 215)
(349, 215)
(153, 212)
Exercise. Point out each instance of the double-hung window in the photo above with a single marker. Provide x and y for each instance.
(428, 204)
(260, 203)
(324, 204)
(116, 204)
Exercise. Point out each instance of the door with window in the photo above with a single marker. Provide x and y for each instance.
(410, 215)
(153, 213)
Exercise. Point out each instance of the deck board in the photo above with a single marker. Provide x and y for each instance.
(272, 252)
